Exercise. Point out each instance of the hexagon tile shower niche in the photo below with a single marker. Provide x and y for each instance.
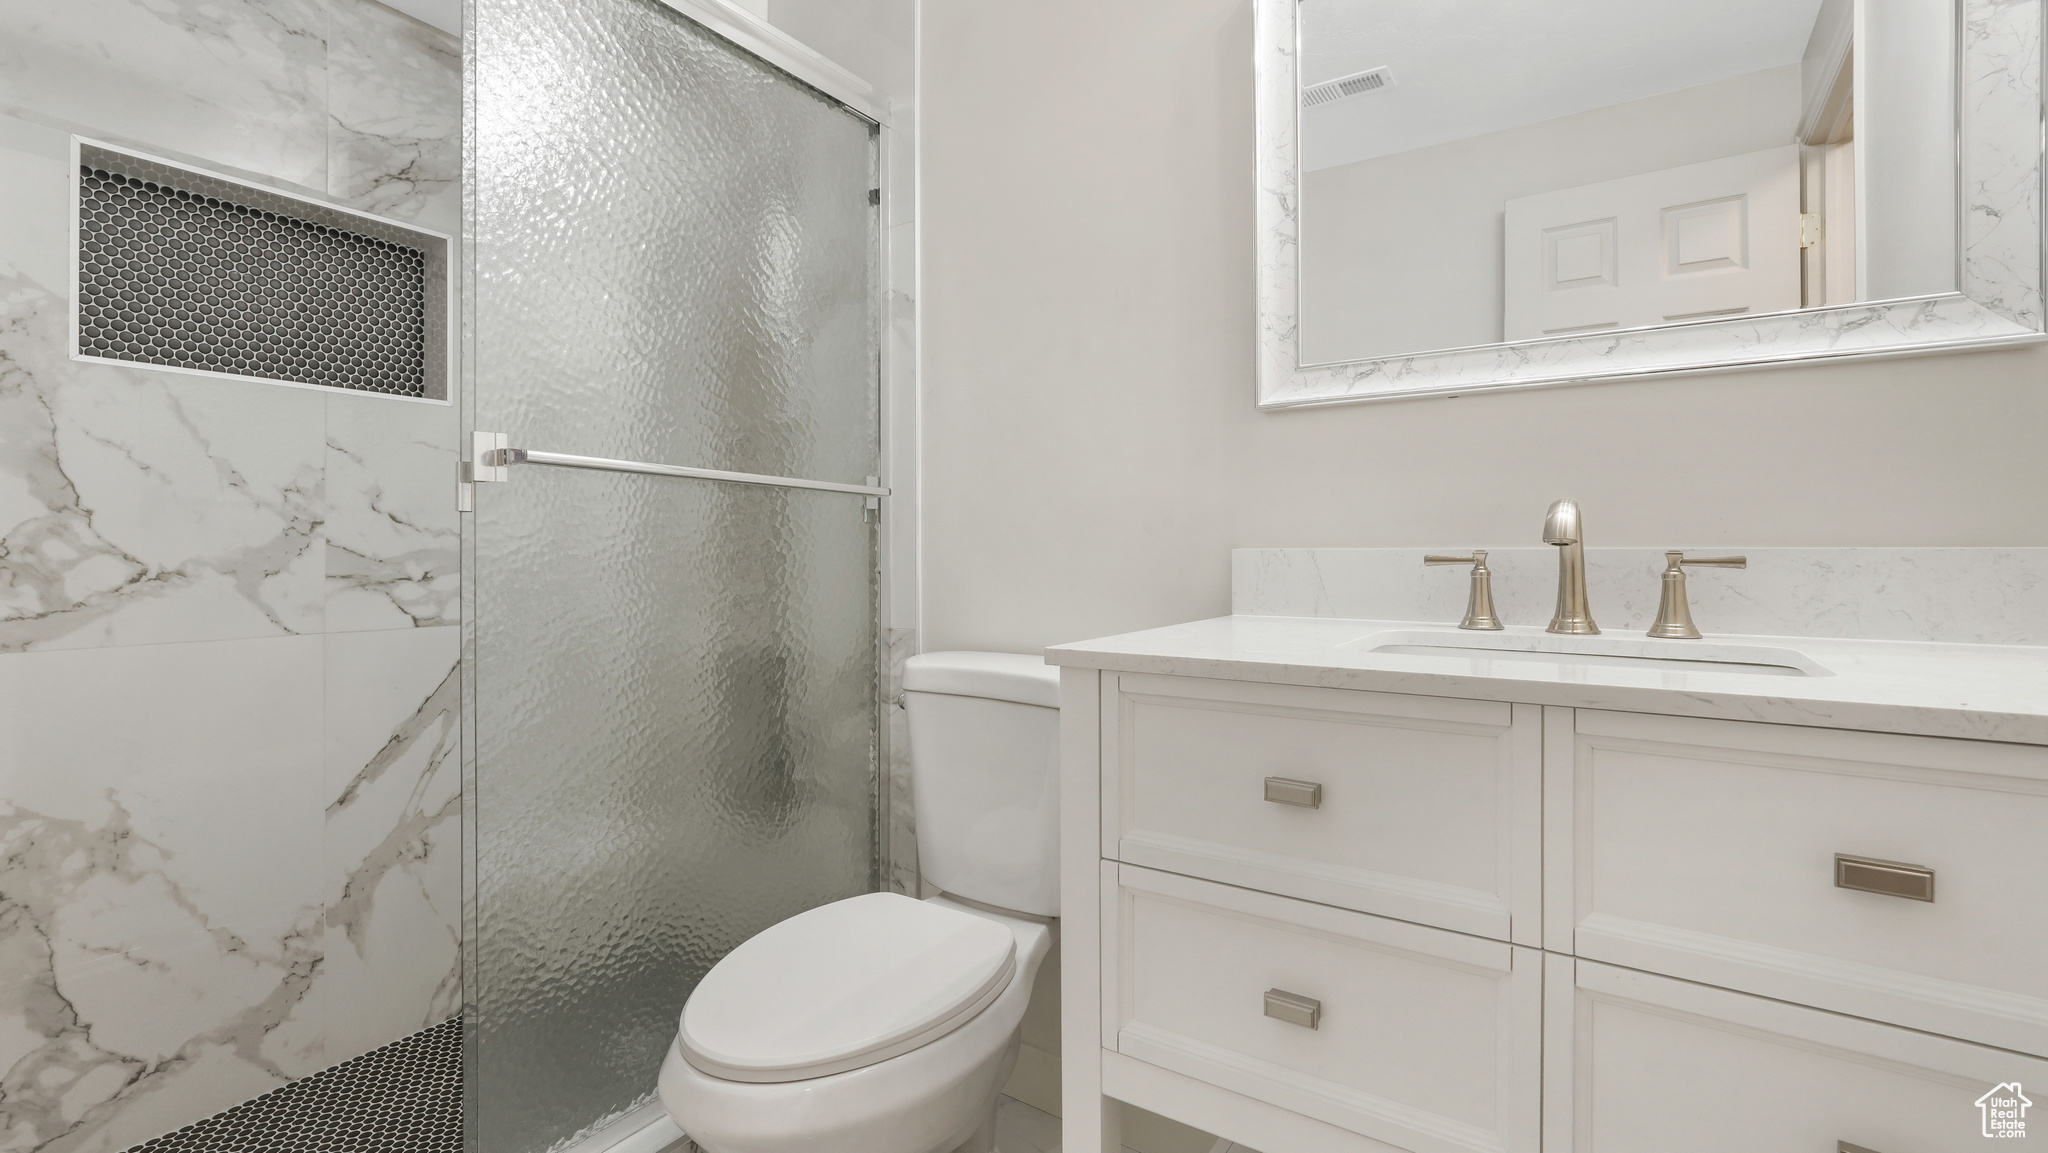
(188, 271)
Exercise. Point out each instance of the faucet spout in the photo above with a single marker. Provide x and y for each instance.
(1562, 527)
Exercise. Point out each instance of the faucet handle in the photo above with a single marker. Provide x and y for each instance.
(1674, 606)
(1675, 558)
(1479, 603)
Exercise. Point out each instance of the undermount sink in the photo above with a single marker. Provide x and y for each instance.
(1625, 652)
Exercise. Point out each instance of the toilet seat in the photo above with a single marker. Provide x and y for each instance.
(928, 1100)
(844, 986)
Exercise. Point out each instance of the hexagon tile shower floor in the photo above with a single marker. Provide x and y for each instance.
(403, 1098)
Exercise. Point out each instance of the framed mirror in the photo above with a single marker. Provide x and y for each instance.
(1460, 195)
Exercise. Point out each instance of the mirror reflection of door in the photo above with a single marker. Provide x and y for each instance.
(1827, 159)
(1473, 171)
(1718, 238)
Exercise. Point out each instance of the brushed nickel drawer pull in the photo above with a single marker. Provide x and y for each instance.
(1294, 1009)
(1288, 791)
(1846, 1147)
(1889, 878)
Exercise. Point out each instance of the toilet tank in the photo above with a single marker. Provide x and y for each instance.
(985, 776)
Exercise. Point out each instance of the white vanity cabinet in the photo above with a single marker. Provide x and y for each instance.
(1423, 808)
(1335, 919)
(1639, 1062)
(1707, 850)
(1422, 1038)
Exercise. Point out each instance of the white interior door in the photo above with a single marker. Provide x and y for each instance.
(1719, 238)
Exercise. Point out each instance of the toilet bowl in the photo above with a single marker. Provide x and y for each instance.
(883, 1024)
(933, 1098)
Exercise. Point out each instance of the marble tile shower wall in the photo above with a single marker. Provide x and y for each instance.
(229, 804)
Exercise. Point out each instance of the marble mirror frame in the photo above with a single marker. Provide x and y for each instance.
(2000, 233)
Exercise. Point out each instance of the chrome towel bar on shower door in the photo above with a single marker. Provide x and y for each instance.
(494, 461)
(510, 456)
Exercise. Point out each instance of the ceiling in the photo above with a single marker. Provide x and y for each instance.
(1464, 68)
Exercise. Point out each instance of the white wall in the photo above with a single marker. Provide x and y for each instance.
(1434, 215)
(1090, 450)
(1833, 34)
(1905, 149)
(873, 39)
(1090, 453)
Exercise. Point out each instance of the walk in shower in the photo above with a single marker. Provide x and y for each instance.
(672, 714)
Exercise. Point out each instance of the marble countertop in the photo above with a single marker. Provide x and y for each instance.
(1975, 691)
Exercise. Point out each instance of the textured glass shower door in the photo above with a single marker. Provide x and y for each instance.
(673, 681)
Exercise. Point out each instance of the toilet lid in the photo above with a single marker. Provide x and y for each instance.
(843, 986)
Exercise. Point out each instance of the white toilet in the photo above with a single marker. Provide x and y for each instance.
(882, 1024)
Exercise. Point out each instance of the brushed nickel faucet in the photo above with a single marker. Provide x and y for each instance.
(1479, 612)
(1562, 528)
(1674, 610)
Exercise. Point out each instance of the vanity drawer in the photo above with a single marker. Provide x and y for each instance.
(1418, 1037)
(1708, 850)
(1640, 1062)
(1423, 808)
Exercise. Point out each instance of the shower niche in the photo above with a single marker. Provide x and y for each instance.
(179, 269)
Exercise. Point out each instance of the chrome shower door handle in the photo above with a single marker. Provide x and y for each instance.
(493, 457)
(1294, 1008)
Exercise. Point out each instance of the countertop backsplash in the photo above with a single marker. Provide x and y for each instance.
(1957, 595)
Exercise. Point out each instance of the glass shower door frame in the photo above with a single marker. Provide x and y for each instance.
(895, 513)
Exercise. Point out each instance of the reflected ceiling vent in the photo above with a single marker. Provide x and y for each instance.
(1345, 87)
